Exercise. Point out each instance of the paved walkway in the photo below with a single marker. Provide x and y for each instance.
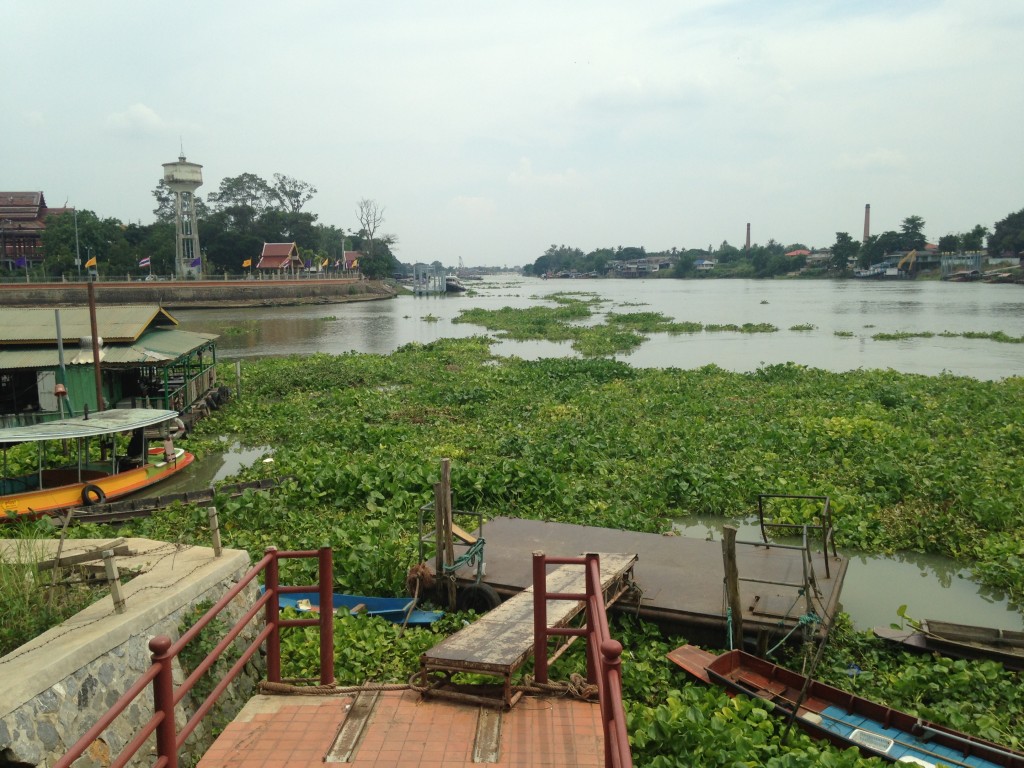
(403, 729)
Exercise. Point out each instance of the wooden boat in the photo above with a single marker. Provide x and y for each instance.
(398, 610)
(60, 484)
(961, 641)
(842, 718)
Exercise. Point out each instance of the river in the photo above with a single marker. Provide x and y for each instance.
(932, 587)
(860, 308)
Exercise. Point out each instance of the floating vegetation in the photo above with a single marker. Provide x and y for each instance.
(803, 327)
(240, 330)
(901, 335)
(998, 336)
(745, 328)
(843, 334)
(431, 318)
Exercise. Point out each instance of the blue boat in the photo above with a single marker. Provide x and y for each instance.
(843, 718)
(398, 610)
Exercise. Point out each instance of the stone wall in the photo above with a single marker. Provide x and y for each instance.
(55, 688)
(197, 293)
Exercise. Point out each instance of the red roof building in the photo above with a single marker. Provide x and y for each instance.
(22, 221)
(280, 256)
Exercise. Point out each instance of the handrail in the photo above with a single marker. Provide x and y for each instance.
(163, 652)
(604, 654)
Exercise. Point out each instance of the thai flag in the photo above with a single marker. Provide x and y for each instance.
(144, 262)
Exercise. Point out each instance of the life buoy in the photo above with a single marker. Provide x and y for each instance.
(93, 494)
(177, 428)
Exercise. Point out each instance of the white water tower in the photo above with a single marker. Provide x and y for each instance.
(183, 179)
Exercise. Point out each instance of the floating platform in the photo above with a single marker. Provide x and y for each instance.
(679, 580)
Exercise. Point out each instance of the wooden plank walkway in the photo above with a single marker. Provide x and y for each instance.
(500, 641)
(680, 579)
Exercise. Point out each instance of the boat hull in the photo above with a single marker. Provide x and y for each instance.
(961, 641)
(398, 610)
(111, 486)
(842, 718)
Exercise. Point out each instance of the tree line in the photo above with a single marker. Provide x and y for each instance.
(770, 259)
(234, 221)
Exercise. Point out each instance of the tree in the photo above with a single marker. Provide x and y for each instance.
(973, 241)
(370, 216)
(1008, 235)
(292, 194)
(245, 191)
(912, 233)
(949, 244)
(844, 251)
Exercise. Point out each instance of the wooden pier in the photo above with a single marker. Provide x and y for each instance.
(502, 639)
(680, 580)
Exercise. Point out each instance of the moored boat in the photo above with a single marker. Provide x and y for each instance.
(398, 610)
(843, 718)
(452, 284)
(961, 641)
(76, 477)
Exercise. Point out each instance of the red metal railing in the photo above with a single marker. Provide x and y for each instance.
(166, 696)
(604, 664)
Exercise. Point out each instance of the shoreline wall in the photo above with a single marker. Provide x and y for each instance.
(197, 294)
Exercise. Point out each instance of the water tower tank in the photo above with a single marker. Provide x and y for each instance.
(183, 176)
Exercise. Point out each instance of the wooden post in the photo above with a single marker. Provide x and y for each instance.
(732, 585)
(114, 580)
(211, 513)
(449, 543)
(238, 379)
(439, 542)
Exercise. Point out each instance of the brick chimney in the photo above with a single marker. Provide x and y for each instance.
(867, 222)
(748, 235)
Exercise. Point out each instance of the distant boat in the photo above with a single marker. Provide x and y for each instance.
(84, 481)
(961, 641)
(842, 718)
(452, 284)
(398, 610)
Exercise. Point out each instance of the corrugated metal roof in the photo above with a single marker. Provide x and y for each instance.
(38, 325)
(154, 347)
(96, 423)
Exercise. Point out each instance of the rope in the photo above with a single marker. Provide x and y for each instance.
(803, 621)
(473, 555)
(290, 689)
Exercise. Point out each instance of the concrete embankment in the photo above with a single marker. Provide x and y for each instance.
(198, 294)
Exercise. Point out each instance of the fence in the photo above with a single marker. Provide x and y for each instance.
(166, 696)
(604, 665)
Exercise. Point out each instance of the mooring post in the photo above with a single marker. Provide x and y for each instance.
(446, 520)
(732, 586)
(114, 580)
(211, 513)
(238, 379)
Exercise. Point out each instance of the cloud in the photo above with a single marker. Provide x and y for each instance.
(874, 160)
(138, 119)
(473, 206)
(523, 175)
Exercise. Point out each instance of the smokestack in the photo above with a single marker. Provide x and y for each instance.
(748, 235)
(867, 222)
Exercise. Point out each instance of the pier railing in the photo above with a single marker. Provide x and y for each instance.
(167, 697)
(604, 664)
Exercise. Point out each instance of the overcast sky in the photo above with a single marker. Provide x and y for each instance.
(489, 131)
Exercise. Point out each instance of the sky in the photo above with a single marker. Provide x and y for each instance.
(490, 131)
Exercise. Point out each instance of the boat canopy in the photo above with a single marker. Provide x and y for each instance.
(96, 423)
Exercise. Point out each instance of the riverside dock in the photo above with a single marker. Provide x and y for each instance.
(679, 581)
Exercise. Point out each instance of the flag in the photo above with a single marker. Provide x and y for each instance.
(21, 262)
(247, 263)
(324, 262)
(355, 263)
(144, 261)
(337, 262)
(196, 261)
(91, 262)
(309, 263)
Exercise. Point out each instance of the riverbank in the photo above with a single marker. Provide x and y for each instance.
(199, 294)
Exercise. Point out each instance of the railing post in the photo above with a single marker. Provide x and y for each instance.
(540, 618)
(273, 613)
(592, 578)
(326, 572)
(163, 701)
